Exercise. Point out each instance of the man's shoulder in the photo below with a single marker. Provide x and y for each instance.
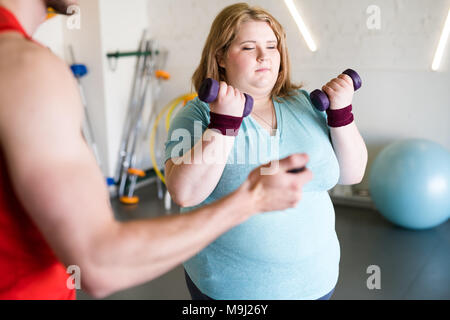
(31, 69)
(19, 55)
(35, 84)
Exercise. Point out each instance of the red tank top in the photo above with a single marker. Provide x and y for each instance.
(28, 267)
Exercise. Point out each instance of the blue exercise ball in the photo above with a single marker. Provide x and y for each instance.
(410, 183)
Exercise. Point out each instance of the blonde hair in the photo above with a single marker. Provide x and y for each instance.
(224, 30)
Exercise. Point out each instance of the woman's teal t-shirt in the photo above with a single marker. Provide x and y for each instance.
(290, 254)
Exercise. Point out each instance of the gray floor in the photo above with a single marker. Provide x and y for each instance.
(413, 264)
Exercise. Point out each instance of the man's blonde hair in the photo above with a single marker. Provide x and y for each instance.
(224, 30)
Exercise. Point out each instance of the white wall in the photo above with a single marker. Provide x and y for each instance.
(51, 34)
(401, 97)
(122, 23)
(87, 45)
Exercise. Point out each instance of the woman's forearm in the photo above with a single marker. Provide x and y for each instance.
(351, 153)
(192, 177)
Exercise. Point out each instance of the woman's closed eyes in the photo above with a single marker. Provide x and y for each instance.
(252, 48)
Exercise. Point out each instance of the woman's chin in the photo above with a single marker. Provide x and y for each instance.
(263, 85)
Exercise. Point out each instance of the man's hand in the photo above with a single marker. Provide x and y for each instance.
(276, 189)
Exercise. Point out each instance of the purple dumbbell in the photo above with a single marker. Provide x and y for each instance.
(210, 89)
(320, 99)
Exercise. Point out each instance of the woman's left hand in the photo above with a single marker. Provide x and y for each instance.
(339, 91)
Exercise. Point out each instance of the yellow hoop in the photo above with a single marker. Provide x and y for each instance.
(170, 106)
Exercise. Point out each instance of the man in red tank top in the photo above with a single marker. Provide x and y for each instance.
(54, 205)
(28, 267)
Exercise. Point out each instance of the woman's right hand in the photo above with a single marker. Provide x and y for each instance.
(277, 189)
(230, 101)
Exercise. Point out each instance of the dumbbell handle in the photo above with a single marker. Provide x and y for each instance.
(297, 170)
(210, 89)
(320, 99)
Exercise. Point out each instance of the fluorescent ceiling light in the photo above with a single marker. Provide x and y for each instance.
(442, 42)
(301, 25)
